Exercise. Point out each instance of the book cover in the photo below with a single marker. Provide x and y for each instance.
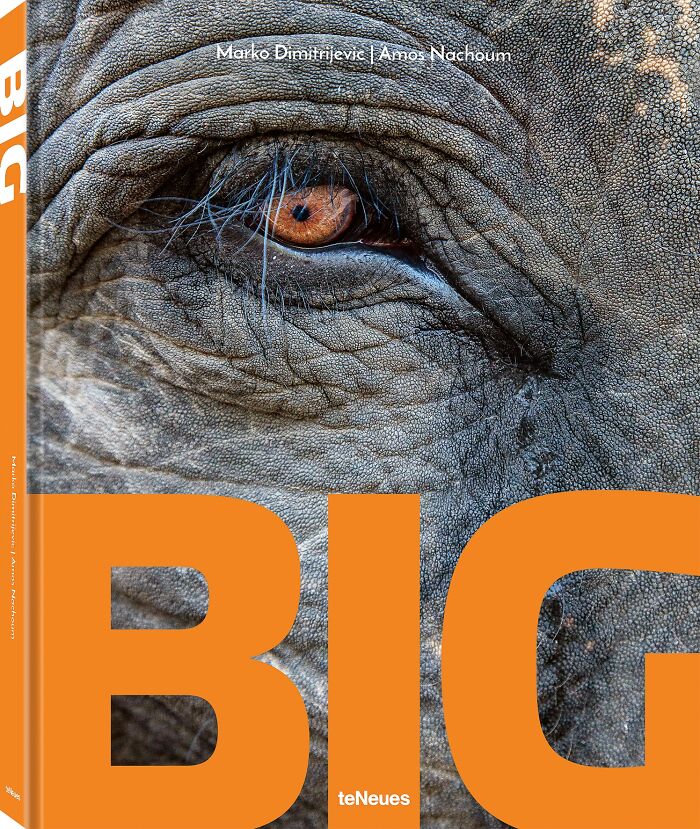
(350, 458)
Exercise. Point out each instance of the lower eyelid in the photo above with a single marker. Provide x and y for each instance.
(343, 277)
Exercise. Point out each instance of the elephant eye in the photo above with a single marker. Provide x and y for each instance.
(311, 217)
(295, 196)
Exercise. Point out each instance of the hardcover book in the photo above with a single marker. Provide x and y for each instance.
(350, 459)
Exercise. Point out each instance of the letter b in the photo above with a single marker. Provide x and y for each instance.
(14, 71)
(249, 559)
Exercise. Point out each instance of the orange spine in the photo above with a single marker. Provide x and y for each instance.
(13, 636)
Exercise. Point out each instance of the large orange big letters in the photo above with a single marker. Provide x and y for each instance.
(250, 562)
(249, 559)
(489, 664)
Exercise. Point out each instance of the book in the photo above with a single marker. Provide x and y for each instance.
(350, 458)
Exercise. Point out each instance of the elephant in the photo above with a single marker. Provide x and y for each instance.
(470, 277)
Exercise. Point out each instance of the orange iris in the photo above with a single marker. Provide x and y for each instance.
(314, 216)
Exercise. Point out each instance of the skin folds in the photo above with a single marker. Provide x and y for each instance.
(532, 327)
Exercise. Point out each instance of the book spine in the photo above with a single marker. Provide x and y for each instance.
(13, 575)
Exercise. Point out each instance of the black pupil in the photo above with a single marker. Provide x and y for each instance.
(301, 212)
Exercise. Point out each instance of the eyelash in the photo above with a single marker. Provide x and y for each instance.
(213, 211)
(230, 200)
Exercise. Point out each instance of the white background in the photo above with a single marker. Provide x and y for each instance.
(6, 823)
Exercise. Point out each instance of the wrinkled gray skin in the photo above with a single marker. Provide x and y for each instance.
(554, 197)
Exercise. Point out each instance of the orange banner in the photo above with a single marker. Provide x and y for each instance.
(13, 793)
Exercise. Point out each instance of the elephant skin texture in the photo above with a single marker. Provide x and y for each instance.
(516, 315)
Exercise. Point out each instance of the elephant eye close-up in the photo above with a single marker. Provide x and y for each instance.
(305, 195)
(311, 217)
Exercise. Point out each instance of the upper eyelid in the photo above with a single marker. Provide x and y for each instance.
(237, 182)
(304, 165)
